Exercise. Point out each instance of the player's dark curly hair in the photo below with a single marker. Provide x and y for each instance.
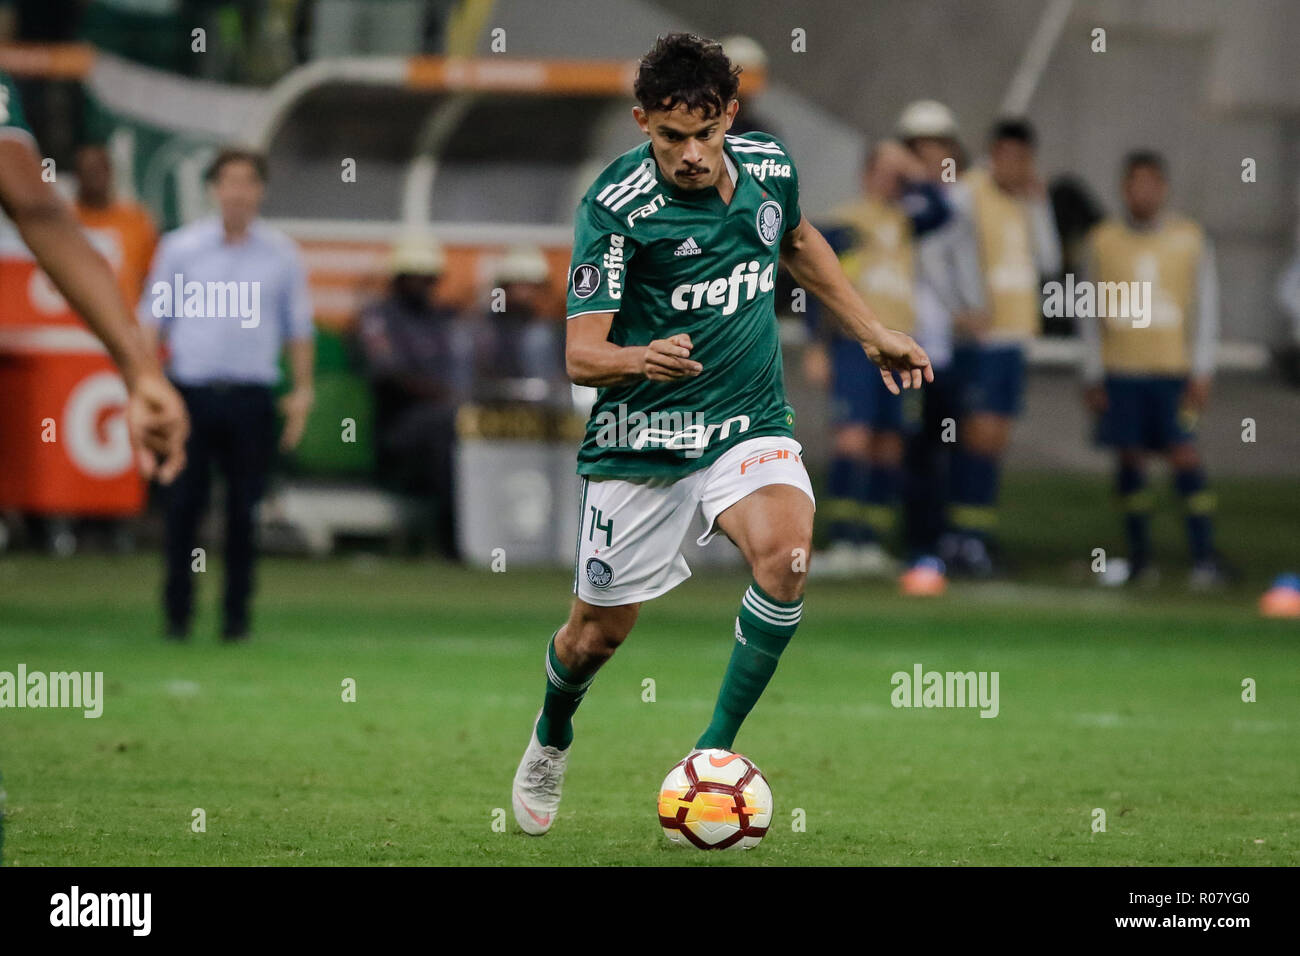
(683, 68)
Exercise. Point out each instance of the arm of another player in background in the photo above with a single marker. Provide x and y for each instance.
(814, 265)
(300, 343)
(1042, 230)
(1205, 338)
(960, 248)
(1090, 362)
(926, 206)
(591, 359)
(156, 417)
(297, 404)
(934, 262)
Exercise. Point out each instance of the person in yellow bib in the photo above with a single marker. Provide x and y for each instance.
(875, 237)
(1017, 242)
(1147, 367)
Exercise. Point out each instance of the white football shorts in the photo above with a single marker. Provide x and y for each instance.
(630, 532)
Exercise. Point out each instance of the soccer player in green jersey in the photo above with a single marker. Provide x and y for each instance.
(155, 414)
(671, 317)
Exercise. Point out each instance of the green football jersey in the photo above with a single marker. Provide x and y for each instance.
(11, 108)
(668, 260)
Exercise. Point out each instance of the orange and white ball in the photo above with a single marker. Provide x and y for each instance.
(715, 800)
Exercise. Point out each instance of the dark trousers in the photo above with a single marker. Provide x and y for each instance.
(417, 455)
(232, 427)
(926, 460)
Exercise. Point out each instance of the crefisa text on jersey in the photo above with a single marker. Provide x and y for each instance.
(613, 263)
(768, 167)
(726, 291)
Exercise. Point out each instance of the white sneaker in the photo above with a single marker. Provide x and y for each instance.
(839, 562)
(536, 792)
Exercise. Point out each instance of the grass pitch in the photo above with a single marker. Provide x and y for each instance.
(1130, 702)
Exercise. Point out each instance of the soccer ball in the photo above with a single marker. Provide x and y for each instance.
(715, 800)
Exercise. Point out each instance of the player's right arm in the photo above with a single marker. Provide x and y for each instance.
(602, 253)
(591, 359)
(156, 415)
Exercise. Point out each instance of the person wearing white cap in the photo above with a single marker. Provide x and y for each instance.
(949, 285)
(529, 338)
(749, 55)
(406, 345)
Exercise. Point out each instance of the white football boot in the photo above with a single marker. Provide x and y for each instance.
(538, 781)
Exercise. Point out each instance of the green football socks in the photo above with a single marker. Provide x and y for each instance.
(564, 692)
(763, 629)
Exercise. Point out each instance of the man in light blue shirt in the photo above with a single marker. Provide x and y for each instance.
(228, 294)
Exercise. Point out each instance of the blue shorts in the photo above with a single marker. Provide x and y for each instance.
(991, 377)
(858, 394)
(1145, 411)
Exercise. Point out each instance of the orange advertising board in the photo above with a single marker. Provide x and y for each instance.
(63, 437)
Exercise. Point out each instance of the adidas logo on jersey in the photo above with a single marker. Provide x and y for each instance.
(688, 248)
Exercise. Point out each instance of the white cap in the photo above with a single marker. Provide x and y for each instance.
(744, 52)
(419, 255)
(926, 118)
(522, 264)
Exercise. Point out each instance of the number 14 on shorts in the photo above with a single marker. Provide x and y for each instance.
(598, 523)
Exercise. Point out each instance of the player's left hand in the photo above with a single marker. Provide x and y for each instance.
(896, 352)
(158, 424)
(1197, 393)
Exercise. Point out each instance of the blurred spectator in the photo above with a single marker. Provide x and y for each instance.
(1076, 210)
(228, 293)
(414, 358)
(1007, 203)
(1287, 352)
(528, 338)
(1147, 371)
(748, 54)
(123, 231)
(876, 240)
(949, 286)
